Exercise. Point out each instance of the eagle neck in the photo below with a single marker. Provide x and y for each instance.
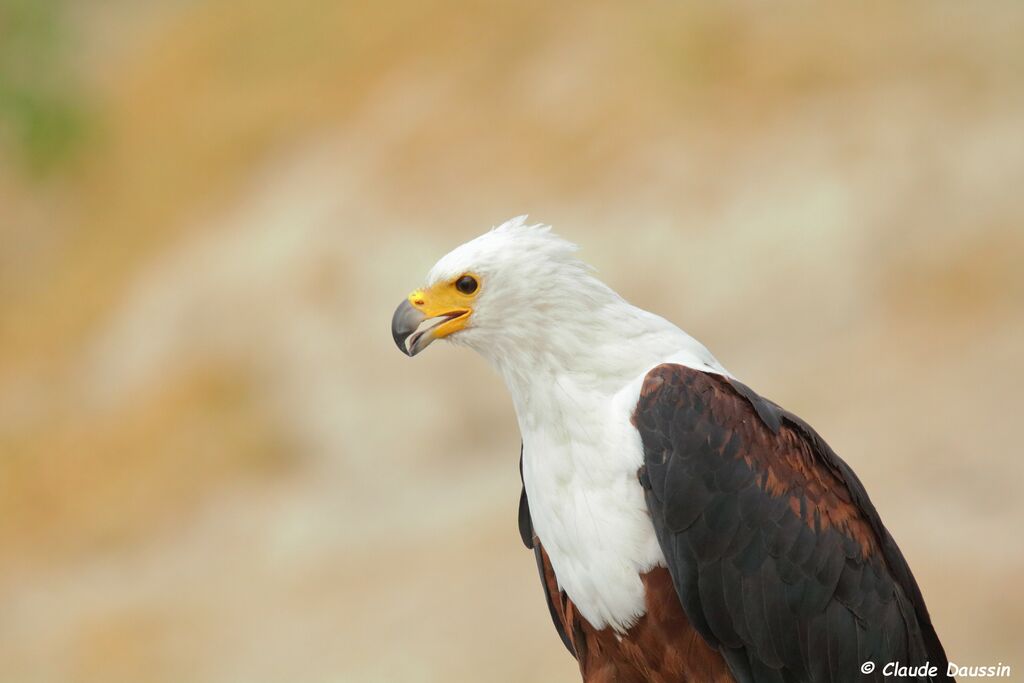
(583, 358)
(573, 395)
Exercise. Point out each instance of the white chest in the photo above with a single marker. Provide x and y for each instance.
(588, 509)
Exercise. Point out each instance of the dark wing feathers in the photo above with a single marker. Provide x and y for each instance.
(525, 522)
(777, 554)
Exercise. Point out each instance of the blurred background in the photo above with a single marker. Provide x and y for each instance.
(215, 465)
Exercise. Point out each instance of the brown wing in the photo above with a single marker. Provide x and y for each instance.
(777, 555)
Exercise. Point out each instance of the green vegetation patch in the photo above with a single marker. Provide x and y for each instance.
(42, 116)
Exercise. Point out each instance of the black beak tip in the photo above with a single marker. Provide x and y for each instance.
(400, 342)
(400, 335)
(403, 324)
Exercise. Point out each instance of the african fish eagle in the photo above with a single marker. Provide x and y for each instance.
(684, 527)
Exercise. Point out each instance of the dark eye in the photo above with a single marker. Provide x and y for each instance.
(466, 284)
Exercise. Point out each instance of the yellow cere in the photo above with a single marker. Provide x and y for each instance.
(443, 299)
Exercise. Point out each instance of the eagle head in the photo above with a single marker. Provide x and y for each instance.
(502, 288)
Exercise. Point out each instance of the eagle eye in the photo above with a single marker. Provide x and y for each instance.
(466, 284)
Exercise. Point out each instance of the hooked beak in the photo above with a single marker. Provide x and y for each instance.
(408, 318)
(404, 324)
